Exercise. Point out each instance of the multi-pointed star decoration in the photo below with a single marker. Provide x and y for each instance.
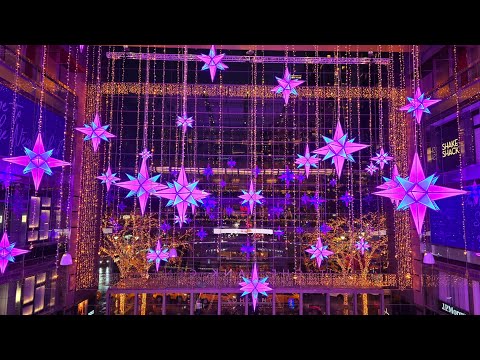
(142, 186)
(108, 178)
(256, 171)
(251, 196)
(316, 200)
(37, 161)
(324, 228)
(95, 132)
(277, 211)
(212, 62)
(332, 182)
(371, 169)
(362, 245)
(346, 198)
(286, 85)
(254, 286)
(418, 192)
(319, 252)
(307, 160)
(184, 121)
(382, 158)
(287, 176)
(474, 192)
(208, 171)
(247, 249)
(279, 233)
(339, 149)
(145, 154)
(178, 220)
(231, 163)
(305, 199)
(391, 183)
(8, 252)
(209, 203)
(202, 234)
(182, 194)
(418, 105)
(165, 226)
(158, 255)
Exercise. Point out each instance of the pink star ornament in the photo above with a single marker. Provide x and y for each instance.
(254, 286)
(418, 105)
(184, 121)
(418, 192)
(286, 85)
(382, 158)
(212, 62)
(108, 178)
(339, 149)
(182, 194)
(251, 196)
(319, 251)
(371, 169)
(307, 161)
(95, 132)
(37, 161)
(158, 255)
(8, 252)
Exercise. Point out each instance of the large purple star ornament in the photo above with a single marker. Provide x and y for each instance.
(286, 85)
(319, 252)
(8, 252)
(212, 62)
(371, 169)
(474, 192)
(418, 192)
(362, 245)
(339, 149)
(184, 121)
(202, 234)
(346, 198)
(142, 186)
(324, 228)
(287, 176)
(182, 194)
(247, 249)
(158, 255)
(382, 158)
(95, 132)
(307, 160)
(208, 171)
(317, 200)
(418, 105)
(254, 286)
(37, 161)
(251, 197)
(108, 178)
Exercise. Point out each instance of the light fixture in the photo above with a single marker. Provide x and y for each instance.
(428, 258)
(66, 259)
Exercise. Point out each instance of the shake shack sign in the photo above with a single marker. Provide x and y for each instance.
(451, 309)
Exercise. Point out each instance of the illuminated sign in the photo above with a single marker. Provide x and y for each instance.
(450, 148)
(451, 309)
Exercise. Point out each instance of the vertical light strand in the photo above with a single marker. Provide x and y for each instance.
(317, 136)
(254, 145)
(162, 131)
(120, 137)
(184, 103)
(195, 143)
(152, 138)
(360, 170)
(295, 102)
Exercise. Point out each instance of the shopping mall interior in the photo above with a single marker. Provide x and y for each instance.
(239, 180)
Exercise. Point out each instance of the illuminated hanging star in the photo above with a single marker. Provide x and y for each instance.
(108, 178)
(286, 85)
(317, 200)
(145, 154)
(208, 171)
(8, 252)
(256, 171)
(201, 233)
(182, 194)
(184, 121)
(474, 192)
(254, 286)
(37, 161)
(279, 233)
(305, 199)
(209, 203)
(319, 251)
(346, 198)
(276, 211)
(382, 158)
(391, 183)
(362, 245)
(287, 176)
(212, 62)
(418, 105)
(177, 220)
(95, 132)
(339, 149)
(300, 178)
(418, 192)
(371, 169)
(324, 228)
(158, 255)
(251, 197)
(142, 186)
(332, 182)
(247, 249)
(222, 183)
(165, 226)
(231, 163)
(229, 211)
(307, 161)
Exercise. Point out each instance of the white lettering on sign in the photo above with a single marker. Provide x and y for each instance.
(451, 310)
(450, 148)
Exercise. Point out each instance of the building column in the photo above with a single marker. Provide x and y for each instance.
(164, 304)
(135, 304)
(382, 303)
(355, 305)
(219, 304)
(274, 312)
(192, 303)
(327, 303)
(109, 303)
(300, 304)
